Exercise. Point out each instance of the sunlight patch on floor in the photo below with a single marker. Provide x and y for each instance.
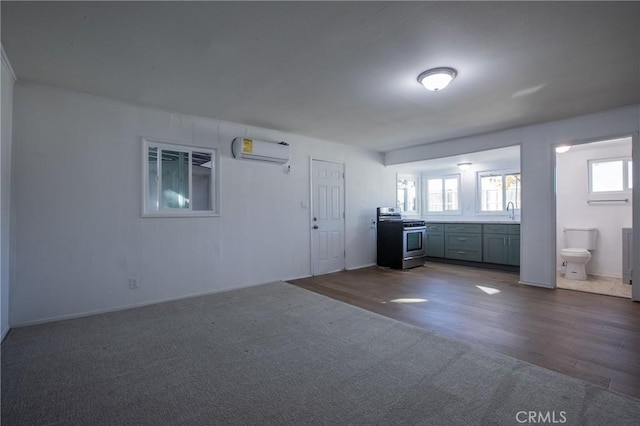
(408, 300)
(488, 290)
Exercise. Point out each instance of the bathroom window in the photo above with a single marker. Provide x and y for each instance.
(179, 180)
(613, 175)
(442, 194)
(408, 194)
(497, 189)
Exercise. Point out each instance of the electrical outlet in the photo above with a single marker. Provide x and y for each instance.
(133, 283)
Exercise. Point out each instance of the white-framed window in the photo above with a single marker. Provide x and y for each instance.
(179, 180)
(496, 189)
(610, 176)
(443, 194)
(408, 194)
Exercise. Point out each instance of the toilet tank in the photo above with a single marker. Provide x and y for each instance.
(580, 238)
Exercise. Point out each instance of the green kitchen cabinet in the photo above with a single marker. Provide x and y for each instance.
(434, 240)
(514, 250)
(501, 244)
(463, 241)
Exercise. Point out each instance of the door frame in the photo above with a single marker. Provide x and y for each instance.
(635, 205)
(635, 209)
(310, 224)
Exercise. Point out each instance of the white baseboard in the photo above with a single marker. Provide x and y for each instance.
(605, 275)
(353, 268)
(123, 307)
(297, 278)
(536, 284)
(598, 274)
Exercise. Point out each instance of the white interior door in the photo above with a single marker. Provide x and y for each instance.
(327, 217)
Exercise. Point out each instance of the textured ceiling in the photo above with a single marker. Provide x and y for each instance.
(342, 71)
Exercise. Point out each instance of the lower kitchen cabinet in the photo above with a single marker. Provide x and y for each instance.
(495, 249)
(501, 244)
(463, 246)
(485, 243)
(514, 250)
(434, 240)
(463, 241)
(434, 244)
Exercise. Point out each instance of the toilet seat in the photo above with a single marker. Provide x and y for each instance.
(575, 252)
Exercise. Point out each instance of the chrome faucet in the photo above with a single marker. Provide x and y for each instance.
(512, 215)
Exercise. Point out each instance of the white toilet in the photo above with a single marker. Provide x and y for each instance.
(578, 242)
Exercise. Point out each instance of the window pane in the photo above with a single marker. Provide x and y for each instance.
(630, 174)
(607, 176)
(434, 195)
(152, 202)
(411, 196)
(407, 195)
(201, 169)
(491, 193)
(175, 179)
(401, 200)
(181, 181)
(451, 194)
(512, 189)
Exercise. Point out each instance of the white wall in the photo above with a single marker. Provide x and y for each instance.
(538, 260)
(78, 231)
(574, 212)
(8, 79)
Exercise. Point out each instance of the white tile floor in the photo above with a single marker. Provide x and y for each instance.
(596, 284)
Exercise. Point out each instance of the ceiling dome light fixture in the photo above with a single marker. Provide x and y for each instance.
(464, 166)
(562, 149)
(437, 79)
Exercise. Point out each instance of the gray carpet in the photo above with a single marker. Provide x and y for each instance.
(277, 354)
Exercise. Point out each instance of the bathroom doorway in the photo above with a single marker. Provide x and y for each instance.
(594, 210)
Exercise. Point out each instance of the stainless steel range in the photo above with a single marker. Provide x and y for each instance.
(400, 241)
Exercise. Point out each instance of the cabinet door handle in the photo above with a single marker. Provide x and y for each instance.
(462, 252)
(504, 241)
(462, 239)
(509, 240)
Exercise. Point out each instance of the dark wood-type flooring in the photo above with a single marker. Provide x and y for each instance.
(588, 336)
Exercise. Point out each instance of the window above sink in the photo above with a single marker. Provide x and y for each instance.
(479, 191)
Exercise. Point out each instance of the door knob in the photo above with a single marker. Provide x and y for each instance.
(315, 226)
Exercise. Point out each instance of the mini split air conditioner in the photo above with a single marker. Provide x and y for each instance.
(251, 149)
